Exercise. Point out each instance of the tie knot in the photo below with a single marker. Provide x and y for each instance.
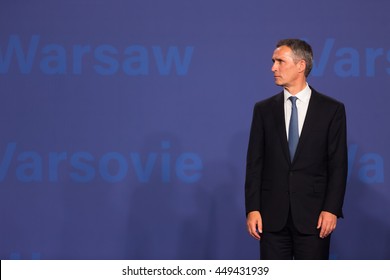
(293, 99)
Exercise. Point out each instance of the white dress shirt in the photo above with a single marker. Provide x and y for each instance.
(303, 98)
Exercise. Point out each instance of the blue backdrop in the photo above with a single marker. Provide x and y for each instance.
(124, 124)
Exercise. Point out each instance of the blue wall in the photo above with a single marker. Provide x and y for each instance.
(124, 124)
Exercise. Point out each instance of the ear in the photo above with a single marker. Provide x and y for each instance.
(301, 65)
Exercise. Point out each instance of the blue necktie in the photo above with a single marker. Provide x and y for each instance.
(293, 131)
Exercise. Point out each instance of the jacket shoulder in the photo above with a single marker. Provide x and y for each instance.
(325, 99)
(266, 102)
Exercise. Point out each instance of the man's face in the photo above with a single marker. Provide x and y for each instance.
(286, 71)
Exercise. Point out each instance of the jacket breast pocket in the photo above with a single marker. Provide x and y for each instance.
(265, 187)
(319, 188)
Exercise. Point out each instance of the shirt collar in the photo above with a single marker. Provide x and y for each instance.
(303, 95)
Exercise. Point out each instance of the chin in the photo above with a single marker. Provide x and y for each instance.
(279, 84)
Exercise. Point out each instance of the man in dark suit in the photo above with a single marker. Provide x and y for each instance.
(296, 163)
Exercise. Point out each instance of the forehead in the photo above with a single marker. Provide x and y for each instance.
(282, 51)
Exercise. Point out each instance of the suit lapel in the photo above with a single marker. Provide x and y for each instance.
(281, 123)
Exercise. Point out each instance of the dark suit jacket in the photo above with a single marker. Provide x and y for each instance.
(313, 181)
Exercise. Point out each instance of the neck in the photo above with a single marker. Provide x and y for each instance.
(294, 89)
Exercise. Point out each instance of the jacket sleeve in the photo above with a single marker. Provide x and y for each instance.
(254, 162)
(337, 163)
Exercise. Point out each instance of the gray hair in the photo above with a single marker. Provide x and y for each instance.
(301, 50)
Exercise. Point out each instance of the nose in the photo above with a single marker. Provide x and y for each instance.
(273, 68)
